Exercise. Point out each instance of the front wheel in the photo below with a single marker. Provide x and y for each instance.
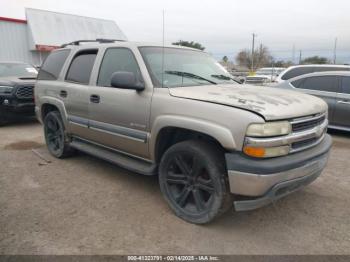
(194, 182)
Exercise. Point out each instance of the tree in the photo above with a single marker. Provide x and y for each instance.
(282, 63)
(225, 59)
(262, 57)
(315, 60)
(190, 44)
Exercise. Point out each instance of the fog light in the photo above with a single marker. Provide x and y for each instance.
(6, 102)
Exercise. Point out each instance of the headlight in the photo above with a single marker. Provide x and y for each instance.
(269, 129)
(6, 89)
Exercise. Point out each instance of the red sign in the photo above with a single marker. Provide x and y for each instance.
(46, 48)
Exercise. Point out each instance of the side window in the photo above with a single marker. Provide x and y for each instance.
(320, 83)
(345, 84)
(81, 67)
(329, 68)
(297, 72)
(114, 60)
(297, 83)
(53, 64)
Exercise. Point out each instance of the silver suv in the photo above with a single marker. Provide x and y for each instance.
(177, 113)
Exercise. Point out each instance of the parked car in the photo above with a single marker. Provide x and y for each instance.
(16, 90)
(173, 112)
(264, 75)
(294, 71)
(333, 87)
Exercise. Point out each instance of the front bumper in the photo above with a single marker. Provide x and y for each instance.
(266, 180)
(13, 107)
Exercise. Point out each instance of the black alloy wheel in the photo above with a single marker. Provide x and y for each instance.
(193, 181)
(55, 135)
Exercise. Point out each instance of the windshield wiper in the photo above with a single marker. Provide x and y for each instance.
(224, 77)
(189, 75)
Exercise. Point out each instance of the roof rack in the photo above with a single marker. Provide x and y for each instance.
(99, 40)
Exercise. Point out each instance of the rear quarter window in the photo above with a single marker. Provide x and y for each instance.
(53, 64)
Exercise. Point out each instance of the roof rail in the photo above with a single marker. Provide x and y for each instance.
(99, 40)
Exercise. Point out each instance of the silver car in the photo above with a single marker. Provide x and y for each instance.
(333, 87)
(176, 113)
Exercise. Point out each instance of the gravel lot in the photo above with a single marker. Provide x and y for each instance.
(83, 205)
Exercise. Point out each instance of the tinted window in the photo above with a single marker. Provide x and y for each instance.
(297, 83)
(320, 83)
(311, 69)
(81, 67)
(297, 72)
(114, 60)
(331, 68)
(53, 65)
(346, 85)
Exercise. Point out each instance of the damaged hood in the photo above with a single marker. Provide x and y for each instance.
(271, 103)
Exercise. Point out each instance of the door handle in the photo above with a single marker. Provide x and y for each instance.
(95, 99)
(63, 93)
(343, 102)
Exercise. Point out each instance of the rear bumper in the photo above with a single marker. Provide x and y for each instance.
(266, 180)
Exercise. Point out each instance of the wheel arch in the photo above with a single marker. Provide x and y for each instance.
(172, 129)
(49, 104)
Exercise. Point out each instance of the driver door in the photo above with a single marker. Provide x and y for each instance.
(119, 118)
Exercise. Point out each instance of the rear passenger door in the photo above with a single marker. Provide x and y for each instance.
(325, 87)
(342, 110)
(119, 118)
(75, 91)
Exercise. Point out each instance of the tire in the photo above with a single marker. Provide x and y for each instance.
(55, 136)
(194, 182)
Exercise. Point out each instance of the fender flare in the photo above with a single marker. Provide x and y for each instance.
(222, 134)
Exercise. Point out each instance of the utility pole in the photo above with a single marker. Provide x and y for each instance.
(253, 43)
(293, 54)
(300, 57)
(335, 51)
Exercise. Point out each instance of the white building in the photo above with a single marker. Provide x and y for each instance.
(32, 39)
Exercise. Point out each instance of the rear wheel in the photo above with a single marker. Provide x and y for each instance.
(193, 180)
(55, 136)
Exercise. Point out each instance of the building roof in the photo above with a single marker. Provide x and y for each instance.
(48, 30)
(14, 20)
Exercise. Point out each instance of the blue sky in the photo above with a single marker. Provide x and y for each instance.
(223, 26)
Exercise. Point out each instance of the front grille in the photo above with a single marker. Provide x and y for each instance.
(301, 126)
(304, 143)
(25, 92)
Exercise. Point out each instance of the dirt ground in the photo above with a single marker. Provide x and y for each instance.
(83, 205)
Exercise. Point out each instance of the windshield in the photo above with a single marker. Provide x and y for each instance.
(19, 70)
(183, 67)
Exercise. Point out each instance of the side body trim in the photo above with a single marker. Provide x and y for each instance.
(129, 133)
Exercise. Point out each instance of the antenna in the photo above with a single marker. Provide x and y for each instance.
(163, 39)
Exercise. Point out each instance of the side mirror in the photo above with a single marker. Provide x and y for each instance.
(126, 80)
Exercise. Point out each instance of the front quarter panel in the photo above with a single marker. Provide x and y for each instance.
(224, 123)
